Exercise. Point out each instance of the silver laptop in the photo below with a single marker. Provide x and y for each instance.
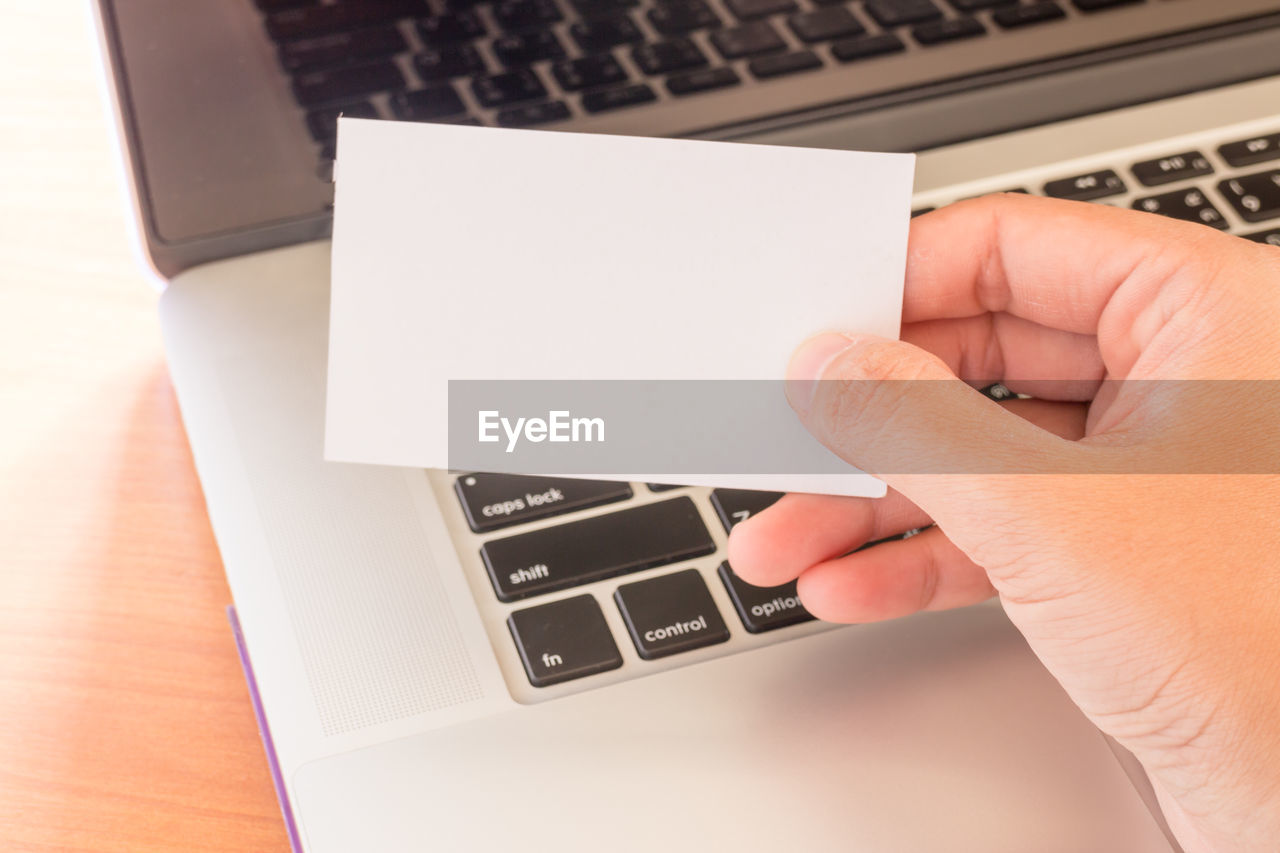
(412, 696)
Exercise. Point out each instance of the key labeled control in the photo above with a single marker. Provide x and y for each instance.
(563, 640)
(595, 548)
(764, 608)
(670, 614)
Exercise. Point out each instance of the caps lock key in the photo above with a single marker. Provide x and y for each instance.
(494, 501)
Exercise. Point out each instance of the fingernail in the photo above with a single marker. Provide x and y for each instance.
(807, 365)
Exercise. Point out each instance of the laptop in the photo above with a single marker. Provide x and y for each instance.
(409, 698)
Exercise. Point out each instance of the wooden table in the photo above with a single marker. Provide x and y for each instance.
(125, 723)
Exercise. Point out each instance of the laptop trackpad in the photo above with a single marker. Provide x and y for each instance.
(940, 732)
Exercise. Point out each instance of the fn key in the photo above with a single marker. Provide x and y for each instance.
(563, 640)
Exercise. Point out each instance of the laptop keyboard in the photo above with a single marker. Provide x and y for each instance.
(585, 581)
(523, 63)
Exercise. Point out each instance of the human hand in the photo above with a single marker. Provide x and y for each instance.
(1153, 597)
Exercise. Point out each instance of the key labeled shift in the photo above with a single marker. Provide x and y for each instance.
(670, 614)
(596, 548)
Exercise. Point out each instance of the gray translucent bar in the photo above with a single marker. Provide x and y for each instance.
(709, 427)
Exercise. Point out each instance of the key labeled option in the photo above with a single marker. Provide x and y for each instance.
(592, 549)
(670, 614)
(764, 608)
(563, 640)
(494, 501)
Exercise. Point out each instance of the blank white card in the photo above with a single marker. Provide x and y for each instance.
(483, 253)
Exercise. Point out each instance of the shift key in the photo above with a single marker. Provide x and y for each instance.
(595, 548)
(494, 501)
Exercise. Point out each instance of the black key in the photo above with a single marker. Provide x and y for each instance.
(341, 48)
(1031, 13)
(1177, 167)
(1016, 190)
(441, 63)
(675, 17)
(825, 24)
(593, 8)
(531, 114)
(493, 501)
(311, 88)
(895, 13)
(592, 549)
(764, 608)
(427, 104)
(1188, 205)
(670, 614)
(589, 71)
(663, 487)
(563, 640)
(702, 80)
(323, 123)
(1247, 152)
(519, 49)
(786, 63)
(1271, 236)
(663, 57)
(1086, 187)
(308, 21)
(499, 90)
(949, 30)
(974, 5)
(1255, 197)
(276, 5)
(1094, 5)
(447, 29)
(525, 14)
(611, 99)
(600, 34)
(747, 40)
(747, 10)
(864, 47)
(921, 211)
(736, 505)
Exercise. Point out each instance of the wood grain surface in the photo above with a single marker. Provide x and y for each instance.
(125, 724)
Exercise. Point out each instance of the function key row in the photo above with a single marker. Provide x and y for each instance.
(1167, 170)
(1254, 197)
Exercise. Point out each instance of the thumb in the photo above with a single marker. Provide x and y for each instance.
(897, 411)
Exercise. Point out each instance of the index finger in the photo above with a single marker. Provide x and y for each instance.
(1056, 263)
